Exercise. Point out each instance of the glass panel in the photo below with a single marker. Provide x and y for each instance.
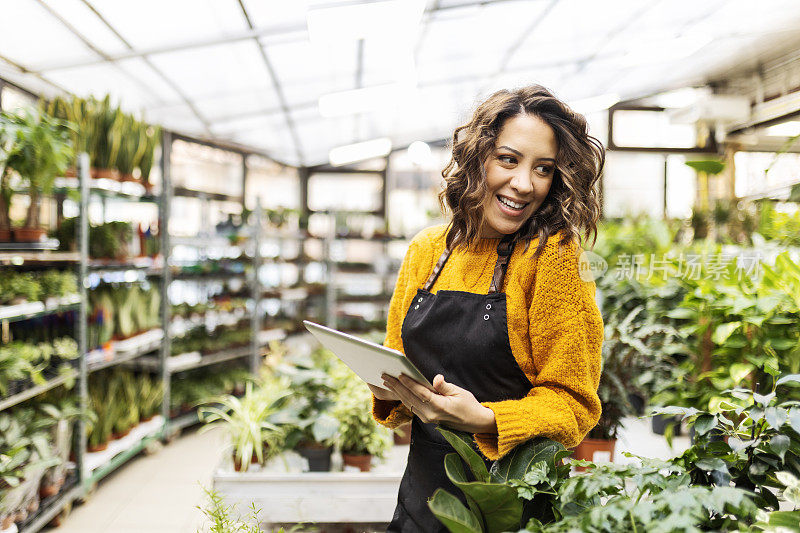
(83, 19)
(633, 183)
(753, 179)
(22, 21)
(345, 192)
(273, 184)
(239, 103)
(12, 99)
(202, 168)
(106, 78)
(301, 62)
(145, 74)
(651, 129)
(225, 68)
(154, 23)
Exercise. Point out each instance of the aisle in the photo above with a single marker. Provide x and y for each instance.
(156, 493)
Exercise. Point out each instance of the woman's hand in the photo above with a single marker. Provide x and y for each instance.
(382, 394)
(449, 405)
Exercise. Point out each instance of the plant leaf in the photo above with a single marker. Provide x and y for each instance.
(779, 445)
(723, 331)
(775, 416)
(452, 513)
(704, 423)
(518, 461)
(788, 378)
(461, 441)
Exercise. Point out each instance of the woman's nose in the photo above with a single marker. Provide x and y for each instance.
(522, 183)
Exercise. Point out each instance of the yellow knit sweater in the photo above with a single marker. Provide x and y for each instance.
(554, 327)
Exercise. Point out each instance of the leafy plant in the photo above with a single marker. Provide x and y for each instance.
(245, 420)
(358, 432)
(41, 151)
(517, 487)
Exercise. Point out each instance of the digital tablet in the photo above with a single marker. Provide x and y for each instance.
(367, 359)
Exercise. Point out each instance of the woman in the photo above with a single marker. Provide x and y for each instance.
(491, 307)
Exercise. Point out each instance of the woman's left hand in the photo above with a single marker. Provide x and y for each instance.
(449, 405)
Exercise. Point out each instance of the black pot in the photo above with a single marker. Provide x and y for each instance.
(319, 459)
(660, 423)
(637, 402)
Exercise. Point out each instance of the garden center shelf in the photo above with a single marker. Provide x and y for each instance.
(321, 497)
(48, 510)
(125, 350)
(28, 310)
(48, 245)
(42, 258)
(190, 360)
(105, 188)
(36, 390)
(99, 464)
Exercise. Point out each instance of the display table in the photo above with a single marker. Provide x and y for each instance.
(286, 495)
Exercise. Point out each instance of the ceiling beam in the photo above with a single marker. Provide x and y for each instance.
(278, 90)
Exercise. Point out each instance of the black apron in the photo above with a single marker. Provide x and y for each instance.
(464, 337)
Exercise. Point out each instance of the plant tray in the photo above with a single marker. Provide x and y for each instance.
(295, 496)
(95, 460)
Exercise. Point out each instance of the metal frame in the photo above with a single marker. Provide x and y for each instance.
(712, 148)
(163, 228)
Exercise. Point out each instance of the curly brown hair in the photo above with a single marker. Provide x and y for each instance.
(572, 204)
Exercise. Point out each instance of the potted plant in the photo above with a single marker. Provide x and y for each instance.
(151, 394)
(7, 138)
(245, 420)
(104, 404)
(360, 438)
(311, 428)
(41, 151)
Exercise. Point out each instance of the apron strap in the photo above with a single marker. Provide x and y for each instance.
(437, 269)
(504, 251)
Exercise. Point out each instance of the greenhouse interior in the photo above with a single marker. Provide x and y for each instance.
(215, 285)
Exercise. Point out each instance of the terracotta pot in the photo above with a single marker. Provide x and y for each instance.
(5, 235)
(148, 418)
(71, 173)
(29, 234)
(402, 435)
(33, 505)
(98, 448)
(127, 177)
(105, 173)
(595, 450)
(363, 462)
(45, 491)
(120, 434)
(7, 522)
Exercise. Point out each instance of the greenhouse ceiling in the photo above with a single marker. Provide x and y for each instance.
(281, 76)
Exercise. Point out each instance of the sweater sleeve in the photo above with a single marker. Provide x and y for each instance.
(392, 413)
(566, 334)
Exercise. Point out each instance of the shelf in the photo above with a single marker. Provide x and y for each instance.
(130, 349)
(207, 275)
(183, 421)
(48, 245)
(10, 401)
(51, 510)
(191, 193)
(97, 465)
(364, 298)
(183, 362)
(45, 257)
(29, 310)
(136, 263)
(107, 188)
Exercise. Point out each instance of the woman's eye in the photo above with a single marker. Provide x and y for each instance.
(545, 169)
(507, 159)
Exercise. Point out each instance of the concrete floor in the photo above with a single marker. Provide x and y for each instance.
(159, 493)
(152, 493)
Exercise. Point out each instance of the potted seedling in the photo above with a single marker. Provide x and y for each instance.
(151, 394)
(307, 412)
(252, 437)
(41, 151)
(360, 438)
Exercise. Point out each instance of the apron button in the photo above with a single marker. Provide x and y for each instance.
(486, 317)
(416, 306)
(488, 306)
(419, 300)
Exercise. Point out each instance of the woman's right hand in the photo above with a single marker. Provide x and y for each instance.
(383, 394)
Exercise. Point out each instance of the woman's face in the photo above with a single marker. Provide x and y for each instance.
(518, 174)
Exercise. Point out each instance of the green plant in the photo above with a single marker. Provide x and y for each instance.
(517, 488)
(41, 151)
(358, 432)
(58, 284)
(246, 421)
(307, 412)
(224, 518)
(150, 396)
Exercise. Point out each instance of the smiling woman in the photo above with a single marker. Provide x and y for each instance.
(511, 337)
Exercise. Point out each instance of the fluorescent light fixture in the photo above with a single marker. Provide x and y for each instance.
(387, 19)
(364, 99)
(342, 155)
(595, 103)
(683, 97)
(785, 129)
(419, 153)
